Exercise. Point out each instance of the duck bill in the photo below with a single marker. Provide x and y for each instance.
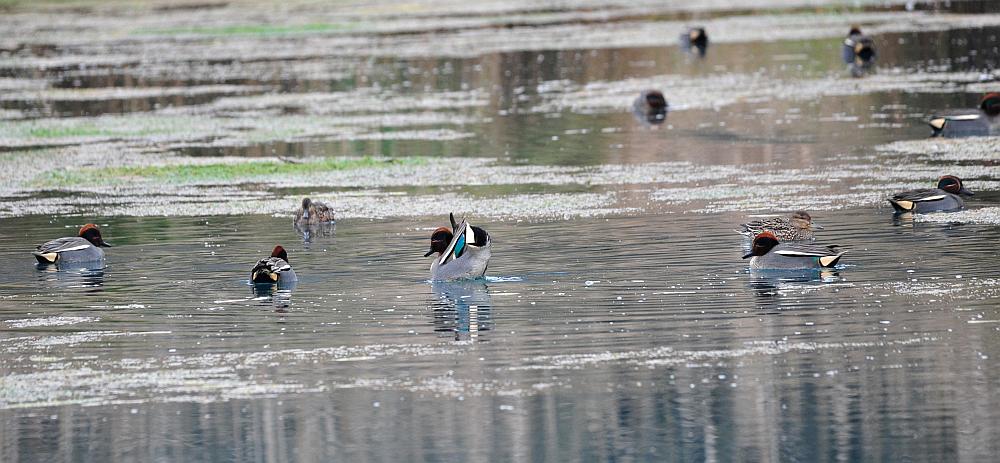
(817, 226)
(104, 244)
(963, 191)
(748, 256)
(429, 253)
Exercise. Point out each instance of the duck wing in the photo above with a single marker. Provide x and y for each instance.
(268, 267)
(923, 194)
(755, 227)
(807, 250)
(70, 243)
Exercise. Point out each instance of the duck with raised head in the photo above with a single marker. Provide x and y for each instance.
(464, 251)
(858, 51)
(695, 41)
(946, 197)
(650, 106)
(968, 123)
(85, 247)
(798, 227)
(273, 269)
(313, 213)
(768, 253)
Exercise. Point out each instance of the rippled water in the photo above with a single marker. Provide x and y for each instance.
(618, 322)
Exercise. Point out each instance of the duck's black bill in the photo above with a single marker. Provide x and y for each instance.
(429, 253)
(105, 244)
(748, 256)
(963, 191)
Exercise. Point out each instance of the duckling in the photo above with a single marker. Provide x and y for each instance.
(464, 251)
(945, 198)
(768, 253)
(313, 212)
(85, 247)
(273, 269)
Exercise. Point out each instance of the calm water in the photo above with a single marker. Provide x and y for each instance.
(622, 330)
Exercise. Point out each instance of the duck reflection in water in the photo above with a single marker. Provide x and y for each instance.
(86, 275)
(311, 231)
(461, 307)
(277, 295)
(771, 284)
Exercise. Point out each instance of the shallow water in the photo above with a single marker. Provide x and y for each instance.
(618, 321)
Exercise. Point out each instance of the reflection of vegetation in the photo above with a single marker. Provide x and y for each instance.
(212, 172)
(252, 29)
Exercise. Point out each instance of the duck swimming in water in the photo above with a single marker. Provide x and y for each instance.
(798, 227)
(650, 106)
(695, 41)
(85, 247)
(968, 123)
(313, 213)
(768, 253)
(945, 198)
(858, 52)
(462, 252)
(273, 269)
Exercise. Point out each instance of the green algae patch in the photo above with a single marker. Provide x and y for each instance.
(252, 29)
(214, 172)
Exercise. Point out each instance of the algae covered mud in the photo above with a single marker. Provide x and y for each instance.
(617, 322)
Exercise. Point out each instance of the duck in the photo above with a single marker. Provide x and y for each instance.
(976, 123)
(84, 247)
(768, 253)
(858, 51)
(946, 197)
(463, 252)
(313, 212)
(695, 41)
(273, 269)
(650, 106)
(798, 227)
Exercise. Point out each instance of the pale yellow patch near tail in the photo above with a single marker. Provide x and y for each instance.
(274, 276)
(827, 260)
(938, 123)
(50, 256)
(906, 205)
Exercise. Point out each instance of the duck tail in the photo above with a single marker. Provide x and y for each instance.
(45, 257)
(901, 206)
(830, 261)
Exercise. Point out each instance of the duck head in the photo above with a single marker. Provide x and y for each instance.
(855, 30)
(306, 203)
(440, 240)
(91, 233)
(953, 185)
(802, 219)
(655, 100)
(762, 244)
(991, 104)
(280, 253)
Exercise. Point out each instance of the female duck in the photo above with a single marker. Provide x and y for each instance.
(946, 197)
(85, 247)
(768, 254)
(463, 252)
(313, 212)
(799, 227)
(273, 269)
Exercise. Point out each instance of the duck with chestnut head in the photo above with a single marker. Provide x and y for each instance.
(695, 41)
(650, 106)
(798, 227)
(273, 269)
(858, 51)
(978, 122)
(768, 253)
(945, 198)
(461, 252)
(85, 247)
